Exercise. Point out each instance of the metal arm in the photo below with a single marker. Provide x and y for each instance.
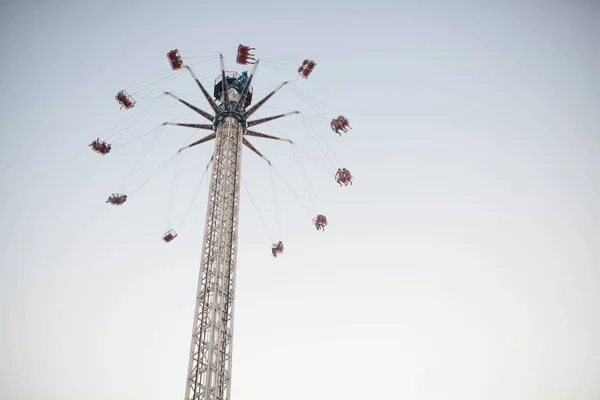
(226, 101)
(267, 119)
(197, 126)
(253, 109)
(193, 107)
(251, 147)
(210, 100)
(265, 136)
(204, 139)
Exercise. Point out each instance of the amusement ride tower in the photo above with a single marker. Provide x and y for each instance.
(209, 369)
(210, 359)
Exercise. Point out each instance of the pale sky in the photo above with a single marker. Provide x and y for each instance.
(462, 264)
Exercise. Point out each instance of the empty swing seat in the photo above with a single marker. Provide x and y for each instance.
(169, 236)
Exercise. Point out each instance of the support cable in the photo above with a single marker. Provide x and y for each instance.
(189, 209)
(329, 154)
(304, 174)
(173, 189)
(309, 211)
(155, 173)
(293, 90)
(143, 96)
(314, 159)
(117, 130)
(275, 202)
(145, 83)
(317, 100)
(143, 154)
(162, 167)
(257, 211)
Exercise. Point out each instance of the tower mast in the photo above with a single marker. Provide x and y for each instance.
(209, 368)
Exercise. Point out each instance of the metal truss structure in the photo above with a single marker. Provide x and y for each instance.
(209, 369)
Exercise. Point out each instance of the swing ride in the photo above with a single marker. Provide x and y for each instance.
(231, 109)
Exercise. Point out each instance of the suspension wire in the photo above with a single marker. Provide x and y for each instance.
(189, 209)
(282, 58)
(329, 155)
(138, 137)
(294, 61)
(329, 168)
(139, 161)
(257, 211)
(304, 174)
(149, 88)
(228, 50)
(275, 202)
(146, 81)
(128, 122)
(201, 51)
(317, 119)
(309, 211)
(285, 109)
(141, 157)
(202, 62)
(143, 96)
(154, 174)
(173, 188)
(145, 133)
(274, 67)
(315, 98)
(274, 64)
(320, 138)
(148, 98)
(117, 137)
(205, 56)
(164, 165)
(325, 167)
(293, 90)
(270, 87)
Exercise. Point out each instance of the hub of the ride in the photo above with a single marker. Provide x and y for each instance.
(235, 84)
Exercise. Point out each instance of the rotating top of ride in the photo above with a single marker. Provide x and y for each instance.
(233, 91)
(235, 86)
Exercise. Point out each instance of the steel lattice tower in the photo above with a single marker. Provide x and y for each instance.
(209, 369)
